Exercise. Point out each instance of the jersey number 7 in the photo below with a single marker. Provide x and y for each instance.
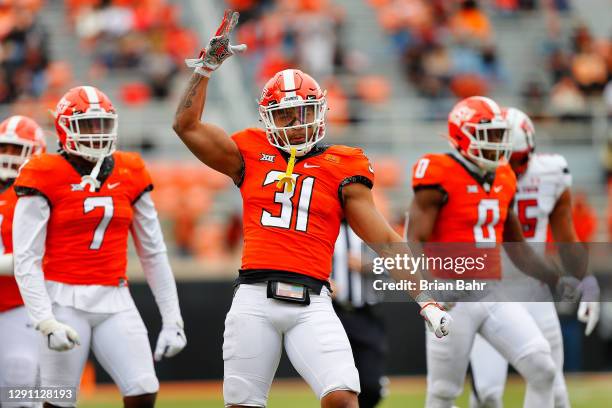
(89, 205)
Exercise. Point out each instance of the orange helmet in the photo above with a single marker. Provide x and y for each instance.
(292, 100)
(477, 128)
(86, 123)
(27, 136)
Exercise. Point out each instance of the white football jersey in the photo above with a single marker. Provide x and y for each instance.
(538, 190)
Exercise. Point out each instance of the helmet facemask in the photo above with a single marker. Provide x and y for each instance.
(91, 135)
(298, 124)
(11, 162)
(490, 144)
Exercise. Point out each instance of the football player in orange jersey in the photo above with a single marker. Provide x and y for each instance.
(20, 138)
(295, 192)
(543, 200)
(71, 223)
(466, 197)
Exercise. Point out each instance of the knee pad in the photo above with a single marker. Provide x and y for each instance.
(20, 370)
(146, 384)
(239, 391)
(538, 368)
(341, 378)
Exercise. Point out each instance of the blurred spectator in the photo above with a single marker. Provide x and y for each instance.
(446, 47)
(304, 34)
(580, 72)
(159, 69)
(589, 70)
(316, 43)
(145, 36)
(470, 24)
(25, 54)
(566, 99)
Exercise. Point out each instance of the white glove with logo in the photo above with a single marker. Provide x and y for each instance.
(171, 341)
(60, 336)
(438, 321)
(219, 49)
(588, 311)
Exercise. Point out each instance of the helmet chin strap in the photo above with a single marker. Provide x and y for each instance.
(92, 178)
(469, 163)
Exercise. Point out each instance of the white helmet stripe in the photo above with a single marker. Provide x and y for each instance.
(91, 95)
(11, 127)
(492, 105)
(289, 81)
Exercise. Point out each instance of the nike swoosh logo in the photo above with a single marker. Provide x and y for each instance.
(111, 186)
(308, 166)
(497, 189)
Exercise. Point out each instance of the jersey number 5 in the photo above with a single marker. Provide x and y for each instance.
(284, 199)
(528, 224)
(89, 205)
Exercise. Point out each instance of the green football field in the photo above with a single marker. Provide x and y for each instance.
(592, 391)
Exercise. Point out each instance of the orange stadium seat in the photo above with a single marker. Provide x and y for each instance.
(209, 242)
(378, 3)
(374, 89)
(135, 93)
(389, 172)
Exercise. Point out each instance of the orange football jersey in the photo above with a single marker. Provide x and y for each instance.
(294, 231)
(87, 231)
(474, 211)
(9, 291)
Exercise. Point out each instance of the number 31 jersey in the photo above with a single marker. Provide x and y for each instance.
(87, 231)
(294, 231)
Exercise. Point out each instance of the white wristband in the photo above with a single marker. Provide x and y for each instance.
(203, 71)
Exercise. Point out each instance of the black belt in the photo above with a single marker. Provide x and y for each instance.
(250, 276)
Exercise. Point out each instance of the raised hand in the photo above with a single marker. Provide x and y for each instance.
(219, 48)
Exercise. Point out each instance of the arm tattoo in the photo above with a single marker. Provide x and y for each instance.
(186, 102)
